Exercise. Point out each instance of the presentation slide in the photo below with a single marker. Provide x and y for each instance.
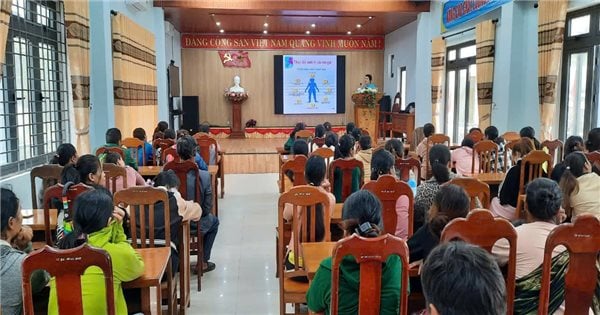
(309, 84)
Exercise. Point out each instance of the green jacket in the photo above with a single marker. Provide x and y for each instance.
(129, 160)
(318, 296)
(289, 144)
(337, 183)
(127, 265)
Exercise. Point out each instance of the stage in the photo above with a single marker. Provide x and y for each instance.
(251, 156)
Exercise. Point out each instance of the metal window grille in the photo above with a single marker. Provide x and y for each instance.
(34, 111)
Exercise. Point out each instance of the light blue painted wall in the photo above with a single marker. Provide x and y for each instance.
(402, 43)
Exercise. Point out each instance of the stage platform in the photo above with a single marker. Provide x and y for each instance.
(266, 132)
(251, 156)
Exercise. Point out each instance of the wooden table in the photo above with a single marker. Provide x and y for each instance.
(336, 217)
(488, 178)
(213, 170)
(34, 218)
(156, 261)
(149, 171)
(313, 254)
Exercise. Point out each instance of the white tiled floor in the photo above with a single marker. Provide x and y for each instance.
(244, 251)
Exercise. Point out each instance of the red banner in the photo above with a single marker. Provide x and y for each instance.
(235, 58)
(284, 42)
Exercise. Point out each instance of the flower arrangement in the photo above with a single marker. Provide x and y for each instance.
(365, 96)
(235, 96)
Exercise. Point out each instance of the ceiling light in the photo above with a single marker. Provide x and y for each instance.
(313, 25)
(349, 33)
(221, 31)
(358, 25)
(370, 17)
(218, 23)
(266, 25)
(265, 32)
(307, 32)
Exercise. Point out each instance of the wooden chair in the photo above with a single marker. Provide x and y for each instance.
(304, 134)
(388, 190)
(304, 199)
(418, 136)
(555, 149)
(486, 151)
(55, 194)
(207, 143)
(531, 168)
(319, 142)
(67, 267)
(49, 174)
(508, 147)
(111, 173)
(296, 166)
(482, 229)
(164, 154)
(141, 201)
(370, 254)
(182, 169)
(385, 124)
(476, 135)
(161, 144)
(134, 145)
(594, 159)
(347, 168)
(475, 189)
(582, 240)
(325, 153)
(510, 136)
(432, 140)
(119, 150)
(404, 166)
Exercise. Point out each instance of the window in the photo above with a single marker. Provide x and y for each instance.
(580, 80)
(461, 112)
(34, 116)
(401, 87)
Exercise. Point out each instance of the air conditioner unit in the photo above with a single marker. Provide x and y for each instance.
(138, 5)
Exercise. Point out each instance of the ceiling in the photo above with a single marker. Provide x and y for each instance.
(335, 17)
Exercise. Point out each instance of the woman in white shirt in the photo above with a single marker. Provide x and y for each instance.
(580, 186)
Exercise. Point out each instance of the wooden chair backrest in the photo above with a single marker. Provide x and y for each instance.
(168, 152)
(67, 266)
(117, 150)
(594, 158)
(476, 135)
(205, 142)
(304, 134)
(320, 142)
(135, 145)
(388, 189)
(418, 136)
(54, 193)
(531, 167)
(370, 254)
(347, 168)
(482, 229)
(49, 174)
(508, 147)
(325, 153)
(304, 199)
(475, 189)
(405, 165)
(555, 149)
(510, 136)
(163, 143)
(182, 169)
(487, 151)
(111, 173)
(582, 240)
(296, 165)
(142, 198)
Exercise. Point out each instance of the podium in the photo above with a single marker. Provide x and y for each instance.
(367, 117)
(236, 99)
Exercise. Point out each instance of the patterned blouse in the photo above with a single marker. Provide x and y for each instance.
(424, 199)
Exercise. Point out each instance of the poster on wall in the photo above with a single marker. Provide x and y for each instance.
(309, 84)
(456, 12)
(235, 58)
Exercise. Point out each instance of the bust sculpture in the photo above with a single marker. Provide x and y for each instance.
(236, 88)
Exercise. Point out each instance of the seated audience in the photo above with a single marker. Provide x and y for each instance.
(290, 141)
(593, 144)
(462, 158)
(383, 164)
(113, 139)
(543, 200)
(65, 154)
(87, 170)
(168, 134)
(356, 133)
(331, 140)
(362, 216)
(439, 155)
(364, 154)
(147, 151)
(187, 209)
(450, 202)
(491, 133)
(460, 278)
(300, 148)
(182, 132)
(205, 129)
(573, 144)
(346, 152)
(98, 223)
(319, 131)
(197, 158)
(396, 148)
(159, 130)
(15, 243)
(314, 172)
(133, 177)
(529, 132)
(350, 127)
(580, 186)
(428, 130)
(505, 204)
(327, 126)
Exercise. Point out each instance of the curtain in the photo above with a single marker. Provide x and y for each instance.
(5, 7)
(485, 35)
(77, 24)
(551, 30)
(438, 57)
(134, 76)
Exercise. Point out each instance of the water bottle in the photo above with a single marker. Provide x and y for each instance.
(412, 182)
